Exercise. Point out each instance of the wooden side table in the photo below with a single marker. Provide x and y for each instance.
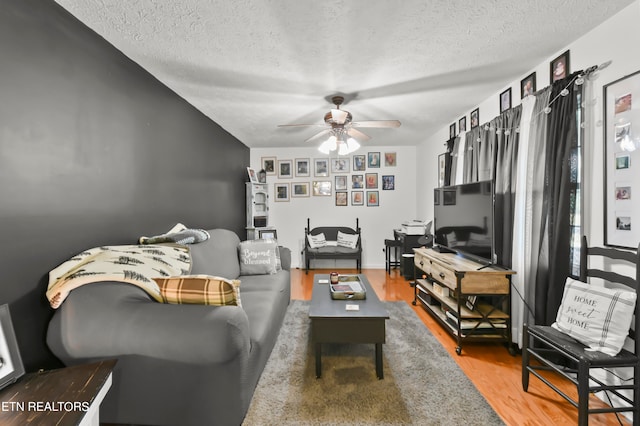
(66, 396)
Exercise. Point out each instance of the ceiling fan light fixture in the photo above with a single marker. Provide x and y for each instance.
(329, 145)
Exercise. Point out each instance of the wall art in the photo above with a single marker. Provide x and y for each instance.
(475, 118)
(388, 182)
(281, 191)
(321, 167)
(359, 163)
(269, 165)
(559, 68)
(11, 367)
(357, 198)
(285, 169)
(300, 189)
(528, 85)
(303, 168)
(505, 100)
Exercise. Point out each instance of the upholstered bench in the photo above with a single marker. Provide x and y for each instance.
(332, 242)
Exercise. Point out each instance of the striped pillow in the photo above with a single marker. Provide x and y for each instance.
(200, 290)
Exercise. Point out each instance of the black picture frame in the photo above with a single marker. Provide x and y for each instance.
(342, 198)
(528, 85)
(462, 124)
(505, 100)
(270, 234)
(11, 368)
(452, 130)
(474, 118)
(560, 67)
(388, 182)
(449, 197)
(373, 159)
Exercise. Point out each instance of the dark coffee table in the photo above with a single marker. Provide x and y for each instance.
(331, 322)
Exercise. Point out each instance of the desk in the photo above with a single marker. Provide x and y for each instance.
(66, 396)
(409, 242)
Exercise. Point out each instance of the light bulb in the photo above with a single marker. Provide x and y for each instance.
(343, 149)
(332, 143)
(353, 145)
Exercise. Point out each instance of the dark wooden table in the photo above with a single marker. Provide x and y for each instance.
(66, 396)
(331, 322)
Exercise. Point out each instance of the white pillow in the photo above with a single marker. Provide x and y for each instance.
(317, 241)
(598, 317)
(347, 240)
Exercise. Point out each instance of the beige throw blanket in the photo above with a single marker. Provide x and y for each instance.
(133, 264)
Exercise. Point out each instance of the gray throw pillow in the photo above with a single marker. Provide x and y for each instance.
(258, 257)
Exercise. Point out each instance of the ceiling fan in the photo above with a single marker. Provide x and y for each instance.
(341, 132)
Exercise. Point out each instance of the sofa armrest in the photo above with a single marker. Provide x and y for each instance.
(112, 319)
(285, 258)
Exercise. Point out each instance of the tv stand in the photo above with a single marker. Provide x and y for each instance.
(452, 289)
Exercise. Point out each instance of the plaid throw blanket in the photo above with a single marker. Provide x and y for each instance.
(133, 264)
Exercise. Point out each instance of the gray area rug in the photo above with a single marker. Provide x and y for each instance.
(422, 384)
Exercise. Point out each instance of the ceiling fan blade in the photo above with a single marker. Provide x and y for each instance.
(376, 123)
(318, 136)
(358, 135)
(302, 125)
(339, 116)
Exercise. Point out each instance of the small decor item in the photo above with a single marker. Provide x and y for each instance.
(373, 159)
(372, 199)
(262, 176)
(281, 191)
(321, 167)
(390, 159)
(269, 165)
(253, 177)
(285, 169)
(528, 85)
(302, 167)
(333, 277)
(622, 157)
(462, 124)
(342, 198)
(559, 67)
(11, 367)
(475, 118)
(388, 183)
(505, 100)
(359, 163)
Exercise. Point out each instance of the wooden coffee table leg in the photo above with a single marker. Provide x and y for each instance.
(379, 371)
(318, 360)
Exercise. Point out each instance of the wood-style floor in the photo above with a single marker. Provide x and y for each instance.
(494, 372)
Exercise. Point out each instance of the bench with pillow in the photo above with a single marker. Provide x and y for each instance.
(332, 242)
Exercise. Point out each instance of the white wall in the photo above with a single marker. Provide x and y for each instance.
(377, 223)
(617, 40)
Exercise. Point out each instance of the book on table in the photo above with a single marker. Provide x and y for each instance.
(348, 287)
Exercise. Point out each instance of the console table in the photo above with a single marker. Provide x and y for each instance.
(470, 300)
(66, 396)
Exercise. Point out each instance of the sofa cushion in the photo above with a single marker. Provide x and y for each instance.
(218, 256)
(199, 290)
(258, 257)
(317, 241)
(347, 240)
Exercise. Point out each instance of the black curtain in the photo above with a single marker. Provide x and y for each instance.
(554, 265)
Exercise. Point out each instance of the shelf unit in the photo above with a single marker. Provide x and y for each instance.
(449, 284)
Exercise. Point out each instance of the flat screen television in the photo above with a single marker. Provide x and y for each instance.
(463, 220)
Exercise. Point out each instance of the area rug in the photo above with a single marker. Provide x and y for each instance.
(422, 384)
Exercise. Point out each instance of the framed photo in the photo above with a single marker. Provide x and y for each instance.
(357, 181)
(300, 189)
(528, 85)
(505, 100)
(390, 159)
(452, 130)
(340, 165)
(462, 124)
(253, 177)
(371, 180)
(322, 188)
(449, 197)
(622, 157)
(372, 199)
(342, 198)
(321, 167)
(303, 168)
(285, 169)
(267, 234)
(359, 163)
(559, 68)
(12, 368)
(341, 183)
(281, 191)
(388, 182)
(269, 165)
(357, 198)
(475, 118)
(373, 159)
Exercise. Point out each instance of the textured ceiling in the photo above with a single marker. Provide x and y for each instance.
(253, 64)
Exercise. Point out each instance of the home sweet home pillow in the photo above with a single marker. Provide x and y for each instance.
(347, 240)
(598, 317)
(258, 257)
(317, 241)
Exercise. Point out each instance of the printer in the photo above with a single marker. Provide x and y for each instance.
(414, 227)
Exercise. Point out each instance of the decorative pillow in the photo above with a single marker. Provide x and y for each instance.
(317, 241)
(598, 317)
(347, 240)
(199, 289)
(258, 257)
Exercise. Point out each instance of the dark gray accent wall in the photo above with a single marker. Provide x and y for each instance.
(93, 151)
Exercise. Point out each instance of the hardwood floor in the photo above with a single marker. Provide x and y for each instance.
(494, 372)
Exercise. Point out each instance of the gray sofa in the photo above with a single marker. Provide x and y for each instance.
(177, 364)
